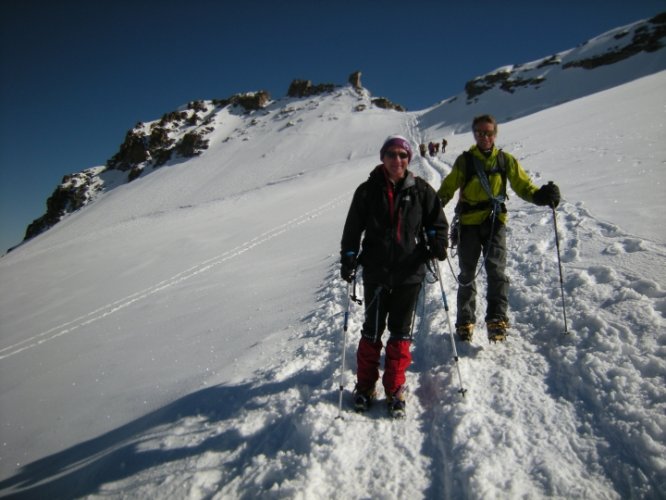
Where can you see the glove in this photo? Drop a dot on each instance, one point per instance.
(436, 247)
(348, 266)
(547, 196)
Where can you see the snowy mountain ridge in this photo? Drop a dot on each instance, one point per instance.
(605, 50)
(509, 92)
(182, 336)
(619, 55)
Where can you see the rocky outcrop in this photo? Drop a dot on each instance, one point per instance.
(132, 151)
(250, 101)
(177, 134)
(384, 103)
(305, 88)
(355, 81)
(643, 37)
(158, 145)
(192, 144)
(504, 80)
(74, 192)
(646, 38)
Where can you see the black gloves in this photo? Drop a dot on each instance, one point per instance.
(348, 266)
(436, 246)
(547, 196)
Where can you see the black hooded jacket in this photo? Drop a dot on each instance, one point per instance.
(393, 251)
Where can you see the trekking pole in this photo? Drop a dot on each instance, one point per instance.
(344, 345)
(559, 264)
(448, 318)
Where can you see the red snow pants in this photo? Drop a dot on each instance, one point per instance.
(396, 305)
(397, 360)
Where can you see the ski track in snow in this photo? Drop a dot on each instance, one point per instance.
(284, 438)
(109, 309)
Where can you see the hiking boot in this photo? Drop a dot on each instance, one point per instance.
(396, 403)
(497, 330)
(363, 398)
(465, 331)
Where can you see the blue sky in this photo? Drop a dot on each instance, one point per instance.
(76, 75)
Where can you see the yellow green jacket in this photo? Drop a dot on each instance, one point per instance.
(474, 193)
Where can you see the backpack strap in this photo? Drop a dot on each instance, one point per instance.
(500, 167)
(473, 167)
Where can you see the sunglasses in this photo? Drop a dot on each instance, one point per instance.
(394, 154)
(484, 133)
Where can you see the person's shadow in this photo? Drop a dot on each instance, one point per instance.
(120, 453)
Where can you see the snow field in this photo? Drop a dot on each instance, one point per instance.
(166, 345)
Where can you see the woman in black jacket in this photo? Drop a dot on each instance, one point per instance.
(394, 225)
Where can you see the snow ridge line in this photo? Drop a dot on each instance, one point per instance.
(207, 265)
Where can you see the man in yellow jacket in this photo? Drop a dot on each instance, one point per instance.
(481, 174)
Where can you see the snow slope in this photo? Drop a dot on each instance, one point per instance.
(182, 336)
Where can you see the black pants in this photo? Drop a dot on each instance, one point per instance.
(474, 240)
(393, 307)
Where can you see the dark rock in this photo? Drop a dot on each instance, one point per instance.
(305, 88)
(384, 103)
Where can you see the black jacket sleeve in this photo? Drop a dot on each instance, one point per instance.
(355, 223)
(435, 224)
